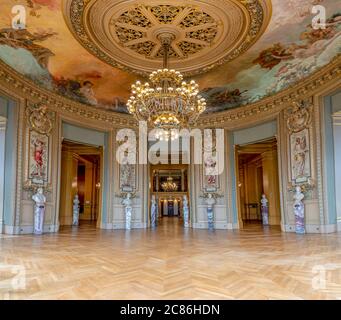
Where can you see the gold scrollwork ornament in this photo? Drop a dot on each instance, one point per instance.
(299, 116)
(40, 119)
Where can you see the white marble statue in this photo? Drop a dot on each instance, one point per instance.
(39, 211)
(127, 202)
(75, 221)
(265, 210)
(153, 212)
(210, 201)
(299, 210)
(186, 212)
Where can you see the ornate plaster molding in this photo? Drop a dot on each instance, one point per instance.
(39, 118)
(299, 116)
(267, 108)
(124, 34)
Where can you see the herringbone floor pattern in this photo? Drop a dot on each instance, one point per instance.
(172, 263)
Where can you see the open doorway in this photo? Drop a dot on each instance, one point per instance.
(257, 166)
(80, 175)
(169, 186)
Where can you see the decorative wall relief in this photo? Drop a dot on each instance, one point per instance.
(128, 173)
(298, 123)
(300, 156)
(210, 165)
(39, 127)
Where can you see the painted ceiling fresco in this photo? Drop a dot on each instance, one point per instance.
(288, 51)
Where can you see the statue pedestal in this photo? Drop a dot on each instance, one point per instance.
(153, 213)
(210, 218)
(185, 212)
(299, 211)
(39, 213)
(299, 218)
(128, 213)
(75, 220)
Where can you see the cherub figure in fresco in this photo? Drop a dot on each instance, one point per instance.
(22, 38)
(228, 96)
(272, 56)
(87, 91)
(36, 5)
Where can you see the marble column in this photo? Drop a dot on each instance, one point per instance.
(3, 122)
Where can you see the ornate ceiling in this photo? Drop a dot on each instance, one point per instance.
(239, 51)
(206, 33)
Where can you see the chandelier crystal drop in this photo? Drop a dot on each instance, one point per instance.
(167, 103)
(169, 185)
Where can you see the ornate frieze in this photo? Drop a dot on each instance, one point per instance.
(19, 86)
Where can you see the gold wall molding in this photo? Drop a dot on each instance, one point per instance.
(261, 111)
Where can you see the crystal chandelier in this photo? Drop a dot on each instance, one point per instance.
(169, 185)
(167, 103)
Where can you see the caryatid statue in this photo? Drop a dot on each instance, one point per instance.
(265, 210)
(39, 211)
(127, 202)
(299, 210)
(210, 201)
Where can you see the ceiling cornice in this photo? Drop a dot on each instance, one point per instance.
(329, 76)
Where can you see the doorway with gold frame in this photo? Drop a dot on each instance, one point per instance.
(81, 174)
(257, 174)
(169, 184)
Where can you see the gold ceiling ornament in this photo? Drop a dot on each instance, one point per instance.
(207, 33)
(168, 103)
(169, 185)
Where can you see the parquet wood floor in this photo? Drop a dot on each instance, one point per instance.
(172, 263)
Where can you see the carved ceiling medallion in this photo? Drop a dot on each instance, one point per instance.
(207, 34)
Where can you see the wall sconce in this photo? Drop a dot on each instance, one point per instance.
(98, 185)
